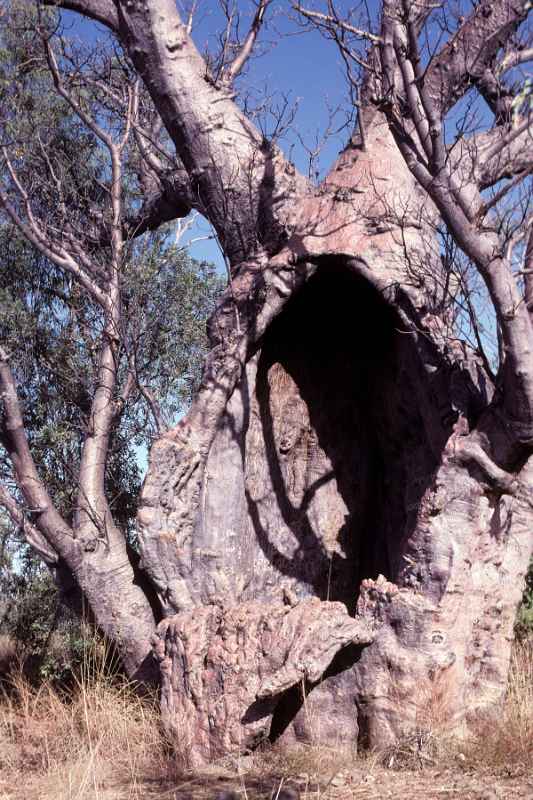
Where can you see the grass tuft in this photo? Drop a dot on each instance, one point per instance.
(507, 739)
(76, 744)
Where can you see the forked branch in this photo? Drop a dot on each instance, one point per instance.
(32, 535)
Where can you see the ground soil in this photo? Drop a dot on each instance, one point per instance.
(368, 781)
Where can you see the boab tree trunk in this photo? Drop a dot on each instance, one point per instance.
(341, 456)
(342, 449)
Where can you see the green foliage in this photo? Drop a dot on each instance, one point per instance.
(169, 297)
(48, 638)
(52, 333)
(52, 643)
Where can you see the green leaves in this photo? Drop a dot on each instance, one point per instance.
(53, 334)
(169, 298)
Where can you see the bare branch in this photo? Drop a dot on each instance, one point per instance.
(514, 59)
(32, 535)
(103, 11)
(167, 189)
(475, 323)
(173, 202)
(505, 482)
(501, 153)
(160, 423)
(93, 509)
(528, 273)
(327, 20)
(190, 17)
(246, 50)
(496, 198)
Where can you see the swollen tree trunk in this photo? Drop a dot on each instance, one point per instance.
(329, 455)
(339, 529)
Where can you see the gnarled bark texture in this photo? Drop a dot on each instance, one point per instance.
(339, 457)
(225, 669)
(342, 447)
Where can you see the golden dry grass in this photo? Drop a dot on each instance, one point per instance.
(503, 739)
(79, 745)
(507, 739)
(102, 742)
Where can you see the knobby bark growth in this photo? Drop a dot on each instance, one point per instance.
(344, 516)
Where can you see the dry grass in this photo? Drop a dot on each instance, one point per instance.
(102, 742)
(79, 745)
(504, 739)
(508, 738)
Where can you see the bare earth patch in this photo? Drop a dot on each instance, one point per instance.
(366, 779)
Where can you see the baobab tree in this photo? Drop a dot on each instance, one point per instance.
(344, 515)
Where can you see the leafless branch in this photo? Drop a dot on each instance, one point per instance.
(528, 272)
(190, 17)
(514, 59)
(32, 535)
(499, 195)
(104, 11)
(332, 20)
(246, 50)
